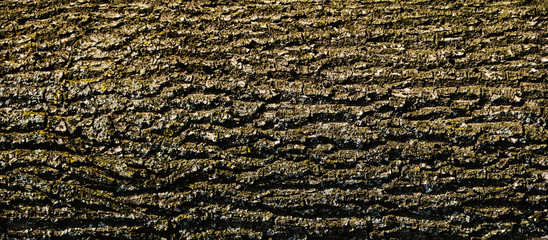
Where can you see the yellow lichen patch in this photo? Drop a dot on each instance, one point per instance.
(168, 132)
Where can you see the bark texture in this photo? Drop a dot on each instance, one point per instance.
(288, 119)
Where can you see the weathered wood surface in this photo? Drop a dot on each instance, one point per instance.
(273, 119)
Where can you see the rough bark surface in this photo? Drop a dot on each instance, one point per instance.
(281, 119)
